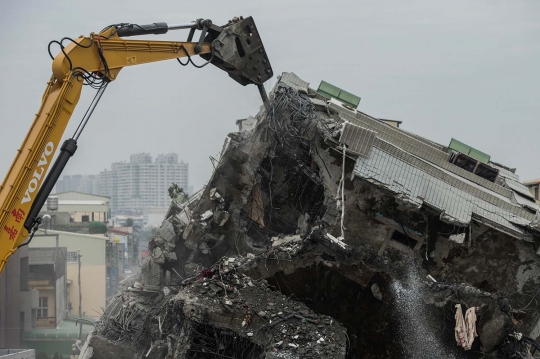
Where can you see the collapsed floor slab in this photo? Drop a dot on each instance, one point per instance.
(291, 210)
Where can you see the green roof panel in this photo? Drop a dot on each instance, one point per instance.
(479, 155)
(330, 91)
(459, 146)
(468, 150)
(349, 98)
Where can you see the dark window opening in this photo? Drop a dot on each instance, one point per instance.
(465, 162)
(470, 164)
(403, 239)
(85, 219)
(536, 193)
(486, 172)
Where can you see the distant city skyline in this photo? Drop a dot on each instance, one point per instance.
(84, 183)
(139, 184)
(142, 183)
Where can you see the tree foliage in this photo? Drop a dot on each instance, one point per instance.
(97, 228)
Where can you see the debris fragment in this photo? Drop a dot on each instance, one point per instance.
(338, 241)
(206, 215)
(376, 291)
(458, 238)
(465, 331)
(255, 208)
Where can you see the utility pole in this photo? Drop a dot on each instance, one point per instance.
(80, 295)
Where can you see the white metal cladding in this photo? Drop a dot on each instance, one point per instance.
(318, 102)
(518, 187)
(359, 140)
(417, 186)
(428, 153)
(295, 82)
(525, 202)
(503, 172)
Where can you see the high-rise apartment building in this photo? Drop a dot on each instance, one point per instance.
(142, 183)
(78, 183)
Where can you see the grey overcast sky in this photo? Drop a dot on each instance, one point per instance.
(463, 69)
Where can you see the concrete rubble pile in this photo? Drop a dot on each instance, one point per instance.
(293, 250)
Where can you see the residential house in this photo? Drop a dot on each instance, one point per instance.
(18, 303)
(123, 236)
(48, 269)
(76, 207)
(533, 186)
(119, 220)
(93, 269)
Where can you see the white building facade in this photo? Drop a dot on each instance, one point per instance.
(142, 183)
(78, 183)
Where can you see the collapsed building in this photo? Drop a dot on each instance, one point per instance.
(327, 233)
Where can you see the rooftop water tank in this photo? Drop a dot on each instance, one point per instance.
(52, 203)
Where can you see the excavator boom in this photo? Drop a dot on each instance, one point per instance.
(96, 60)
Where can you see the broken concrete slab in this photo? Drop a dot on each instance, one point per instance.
(284, 240)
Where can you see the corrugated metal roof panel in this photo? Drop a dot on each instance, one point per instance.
(398, 138)
(418, 186)
(359, 140)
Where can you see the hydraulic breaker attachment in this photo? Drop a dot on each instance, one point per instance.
(238, 50)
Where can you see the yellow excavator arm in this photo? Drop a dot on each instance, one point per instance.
(96, 60)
